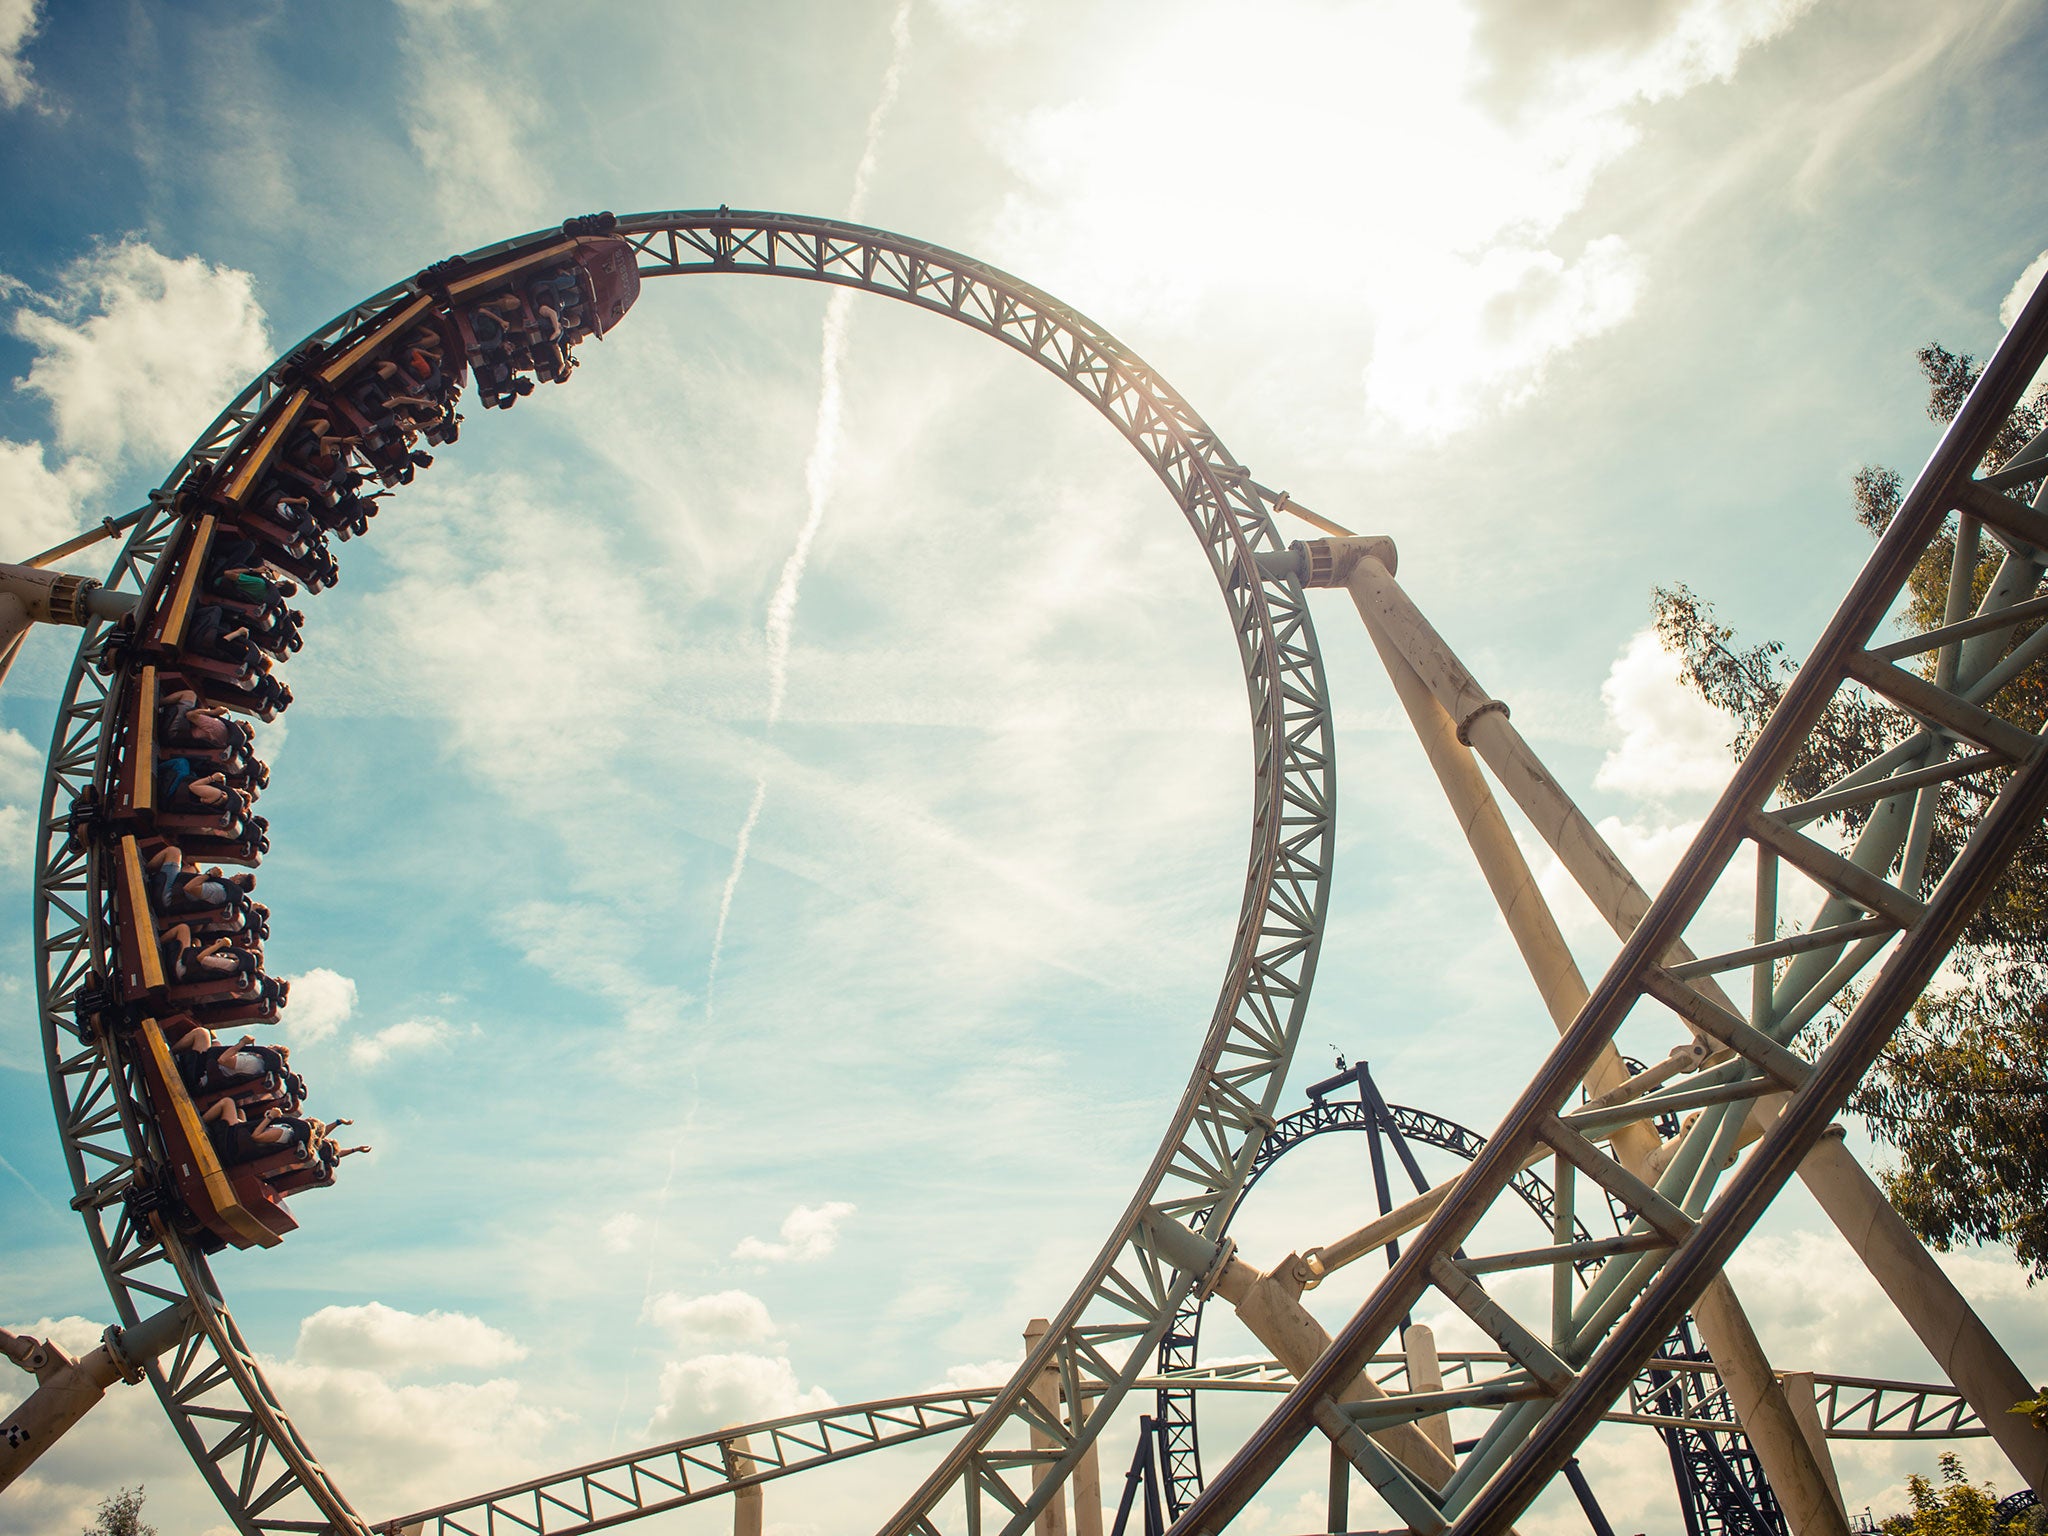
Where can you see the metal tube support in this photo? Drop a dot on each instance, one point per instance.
(1087, 1488)
(1340, 1491)
(747, 1503)
(1426, 1374)
(1923, 1294)
(1928, 1300)
(1052, 1520)
(29, 596)
(1595, 1516)
(67, 1389)
(1798, 1387)
(1753, 1389)
(1270, 1306)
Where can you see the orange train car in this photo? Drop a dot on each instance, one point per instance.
(232, 1202)
(347, 412)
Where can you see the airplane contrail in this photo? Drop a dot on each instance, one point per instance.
(820, 471)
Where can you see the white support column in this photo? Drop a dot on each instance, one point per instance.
(1931, 1305)
(1426, 1374)
(1052, 1520)
(67, 1389)
(1798, 1387)
(1928, 1300)
(1087, 1487)
(1753, 1389)
(747, 1503)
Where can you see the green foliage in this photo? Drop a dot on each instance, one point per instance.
(1958, 1508)
(120, 1515)
(1961, 1092)
(2035, 1408)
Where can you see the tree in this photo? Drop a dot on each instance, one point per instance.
(1961, 1092)
(120, 1515)
(2035, 1408)
(1959, 1509)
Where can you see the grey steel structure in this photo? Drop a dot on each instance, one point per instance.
(695, 1470)
(1721, 1486)
(1890, 910)
(1899, 898)
(266, 1478)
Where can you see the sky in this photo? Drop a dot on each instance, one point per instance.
(760, 827)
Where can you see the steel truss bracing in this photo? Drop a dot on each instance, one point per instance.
(1892, 903)
(1100, 1340)
(1720, 1484)
(685, 1472)
(703, 1467)
(1851, 1407)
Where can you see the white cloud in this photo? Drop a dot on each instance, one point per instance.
(1596, 59)
(18, 22)
(137, 351)
(405, 1444)
(380, 1338)
(470, 123)
(725, 1317)
(21, 781)
(588, 946)
(985, 22)
(1673, 743)
(986, 1373)
(17, 837)
(808, 1232)
(622, 1232)
(421, 1442)
(711, 1391)
(2010, 306)
(1398, 158)
(321, 1002)
(406, 1035)
(21, 767)
(40, 505)
(1501, 317)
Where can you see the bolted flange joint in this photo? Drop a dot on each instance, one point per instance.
(1490, 707)
(1328, 562)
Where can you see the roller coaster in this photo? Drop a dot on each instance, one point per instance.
(179, 1145)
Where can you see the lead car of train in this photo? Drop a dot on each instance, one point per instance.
(172, 812)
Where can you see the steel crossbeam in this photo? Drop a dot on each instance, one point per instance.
(1175, 1411)
(1888, 876)
(1851, 1407)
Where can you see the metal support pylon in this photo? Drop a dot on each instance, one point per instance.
(1141, 1485)
(1894, 894)
(1365, 566)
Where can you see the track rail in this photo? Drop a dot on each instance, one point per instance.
(679, 1473)
(214, 1391)
(1175, 1413)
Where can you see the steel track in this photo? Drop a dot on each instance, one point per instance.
(214, 1389)
(680, 1473)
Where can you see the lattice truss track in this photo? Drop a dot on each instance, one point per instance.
(1100, 1340)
